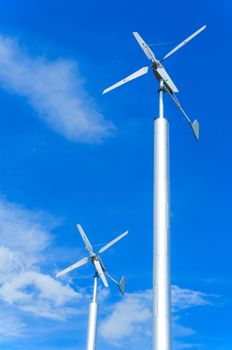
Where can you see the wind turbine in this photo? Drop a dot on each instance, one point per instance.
(100, 271)
(161, 213)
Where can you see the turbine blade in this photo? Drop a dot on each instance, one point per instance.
(183, 43)
(88, 246)
(146, 49)
(195, 125)
(135, 75)
(100, 272)
(161, 73)
(72, 267)
(108, 245)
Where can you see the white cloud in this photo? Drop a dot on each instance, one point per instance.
(131, 317)
(181, 346)
(10, 326)
(186, 298)
(25, 236)
(55, 90)
(10, 263)
(179, 330)
(24, 231)
(39, 294)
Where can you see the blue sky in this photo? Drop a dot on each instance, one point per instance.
(72, 155)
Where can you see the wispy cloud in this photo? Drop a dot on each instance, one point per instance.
(129, 320)
(183, 298)
(39, 294)
(10, 325)
(129, 316)
(182, 346)
(25, 236)
(55, 90)
(181, 331)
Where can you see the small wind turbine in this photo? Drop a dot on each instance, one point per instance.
(161, 202)
(100, 271)
(166, 83)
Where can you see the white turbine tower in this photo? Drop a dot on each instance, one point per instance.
(101, 272)
(161, 212)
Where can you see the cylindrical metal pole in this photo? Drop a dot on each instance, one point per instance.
(92, 325)
(161, 100)
(161, 253)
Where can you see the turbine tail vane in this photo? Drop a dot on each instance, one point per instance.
(196, 129)
(121, 285)
(194, 125)
(135, 75)
(183, 43)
